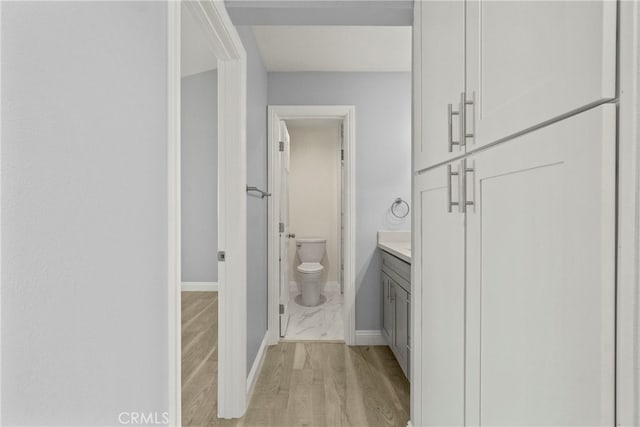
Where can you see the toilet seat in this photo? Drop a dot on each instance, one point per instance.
(310, 267)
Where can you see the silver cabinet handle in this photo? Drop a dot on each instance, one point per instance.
(292, 235)
(463, 115)
(450, 114)
(463, 187)
(450, 175)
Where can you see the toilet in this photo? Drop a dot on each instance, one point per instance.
(310, 282)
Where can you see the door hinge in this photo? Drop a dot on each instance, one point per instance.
(281, 308)
(221, 256)
(281, 227)
(341, 130)
(342, 155)
(281, 146)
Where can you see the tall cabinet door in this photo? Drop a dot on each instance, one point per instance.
(437, 301)
(529, 62)
(439, 30)
(540, 276)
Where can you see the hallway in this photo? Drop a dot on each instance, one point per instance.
(318, 384)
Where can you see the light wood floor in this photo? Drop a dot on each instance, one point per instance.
(301, 384)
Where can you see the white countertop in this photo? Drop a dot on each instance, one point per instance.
(397, 243)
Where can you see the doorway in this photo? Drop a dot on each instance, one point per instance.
(288, 273)
(223, 42)
(310, 217)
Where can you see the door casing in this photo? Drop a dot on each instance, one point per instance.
(224, 42)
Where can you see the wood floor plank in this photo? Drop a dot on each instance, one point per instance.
(301, 383)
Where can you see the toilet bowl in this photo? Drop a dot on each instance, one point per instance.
(310, 271)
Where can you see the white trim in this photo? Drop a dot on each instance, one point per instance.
(628, 269)
(199, 287)
(174, 264)
(415, 356)
(254, 373)
(232, 214)
(370, 337)
(0, 216)
(347, 114)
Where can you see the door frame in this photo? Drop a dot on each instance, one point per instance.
(346, 113)
(225, 44)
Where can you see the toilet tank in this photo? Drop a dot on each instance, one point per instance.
(310, 249)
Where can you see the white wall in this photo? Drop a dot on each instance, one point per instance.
(84, 211)
(314, 190)
(199, 170)
(383, 159)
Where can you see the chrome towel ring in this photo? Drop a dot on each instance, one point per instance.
(400, 208)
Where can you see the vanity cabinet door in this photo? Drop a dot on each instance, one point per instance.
(401, 299)
(531, 62)
(388, 309)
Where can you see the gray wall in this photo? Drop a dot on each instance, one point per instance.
(383, 159)
(84, 211)
(256, 207)
(199, 169)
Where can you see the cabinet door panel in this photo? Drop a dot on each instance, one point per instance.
(529, 62)
(402, 326)
(439, 67)
(540, 277)
(438, 304)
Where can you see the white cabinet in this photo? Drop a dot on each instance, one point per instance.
(439, 68)
(517, 294)
(529, 62)
(490, 70)
(438, 298)
(541, 278)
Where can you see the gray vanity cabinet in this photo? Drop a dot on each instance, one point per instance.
(388, 308)
(396, 297)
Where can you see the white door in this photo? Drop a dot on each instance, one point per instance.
(284, 228)
(439, 62)
(529, 62)
(438, 300)
(540, 277)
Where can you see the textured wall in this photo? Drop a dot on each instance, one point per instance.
(383, 159)
(84, 211)
(199, 169)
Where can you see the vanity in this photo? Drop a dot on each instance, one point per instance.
(395, 248)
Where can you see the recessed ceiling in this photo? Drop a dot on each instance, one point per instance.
(334, 48)
(196, 56)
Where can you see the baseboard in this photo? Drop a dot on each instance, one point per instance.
(199, 286)
(370, 337)
(254, 373)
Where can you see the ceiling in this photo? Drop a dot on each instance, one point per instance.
(334, 48)
(320, 12)
(196, 56)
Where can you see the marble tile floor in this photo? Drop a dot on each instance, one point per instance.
(322, 323)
